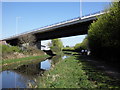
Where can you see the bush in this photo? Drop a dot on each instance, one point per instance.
(33, 51)
(68, 49)
(77, 47)
(57, 46)
(83, 45)
(27, 40)
(10, 49)
(103, 35)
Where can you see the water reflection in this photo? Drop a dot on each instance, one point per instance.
(20, 77)
(11, 79)
(65, 57)
(45, 64)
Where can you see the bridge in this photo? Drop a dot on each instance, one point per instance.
(76, 26)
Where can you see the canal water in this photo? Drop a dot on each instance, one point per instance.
(25, 75)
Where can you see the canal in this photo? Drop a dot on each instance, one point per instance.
(25, 75)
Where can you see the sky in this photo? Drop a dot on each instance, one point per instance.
(19, 17)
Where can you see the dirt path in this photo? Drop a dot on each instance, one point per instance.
(111, 71)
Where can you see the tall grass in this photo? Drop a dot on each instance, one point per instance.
(66, 74)
(9, 49)
(74, 72)
(9, 61)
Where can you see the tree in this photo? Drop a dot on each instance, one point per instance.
(103, 35)
(82, 45)
(77, 47)
(57, 45)
(27, 40)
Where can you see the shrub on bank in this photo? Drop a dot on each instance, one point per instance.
(33, 51)
(10, 49)
(13, 52)
(83, 45)
(57, 46)
(77, 47)
(68, 49)
(103, 35)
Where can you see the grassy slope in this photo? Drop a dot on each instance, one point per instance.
(66, 74)
(14, 65)
(9, 61)
(72, 73)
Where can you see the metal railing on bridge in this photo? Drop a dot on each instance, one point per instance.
(56, 24)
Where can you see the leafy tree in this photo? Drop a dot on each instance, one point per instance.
(57, 45)
(83, 45)
(103, 35)
(77, 47)
(68, 48)
(27, 40)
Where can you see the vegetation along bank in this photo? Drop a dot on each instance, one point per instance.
(74, 72)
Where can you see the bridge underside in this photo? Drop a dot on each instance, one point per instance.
(66, 31)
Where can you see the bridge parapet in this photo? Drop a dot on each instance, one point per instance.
(58, 24)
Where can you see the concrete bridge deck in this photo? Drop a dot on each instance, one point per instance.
(76, 26)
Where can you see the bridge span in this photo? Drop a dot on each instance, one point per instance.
(76, 26)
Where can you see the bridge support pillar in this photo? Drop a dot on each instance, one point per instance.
(38, 45)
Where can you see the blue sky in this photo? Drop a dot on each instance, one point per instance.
(25, 16)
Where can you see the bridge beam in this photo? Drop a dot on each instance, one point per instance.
(73, 28)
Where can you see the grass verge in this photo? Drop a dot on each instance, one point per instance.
(76, 73)
(66, 74)
(10, 61)
(17, 64)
